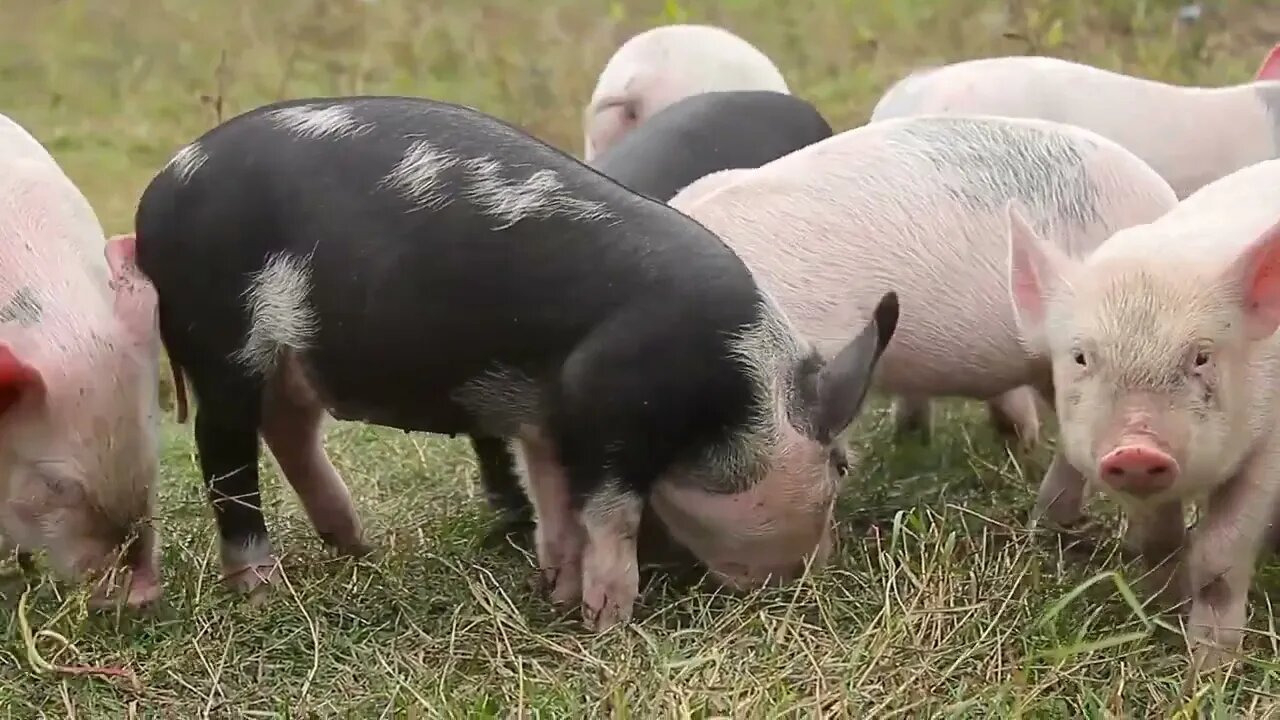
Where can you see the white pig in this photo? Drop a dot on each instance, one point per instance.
(918, 205)
(78, 407)
(1190, 135)
(664, 64)
(1166, 367)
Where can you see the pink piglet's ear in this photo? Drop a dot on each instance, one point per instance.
(135, 296)
(17, 378)
(1270, 67)
(1258, 272)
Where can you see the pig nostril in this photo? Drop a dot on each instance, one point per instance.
(1158, 469)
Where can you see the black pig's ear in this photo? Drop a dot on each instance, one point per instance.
(843, 382)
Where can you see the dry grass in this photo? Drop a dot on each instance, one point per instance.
(939, 604)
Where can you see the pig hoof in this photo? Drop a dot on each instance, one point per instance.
(564, 584)
(252, 578)
(346, 546)
(26, 563)
(1204, 659)
(603, 608)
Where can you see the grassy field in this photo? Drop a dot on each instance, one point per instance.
(939, 604)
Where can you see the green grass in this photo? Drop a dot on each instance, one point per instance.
(939, 603)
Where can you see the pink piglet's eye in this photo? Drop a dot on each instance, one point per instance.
(1202, 358)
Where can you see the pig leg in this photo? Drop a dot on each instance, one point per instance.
(1224, 551)
(1157, 534)
(227, 419)
(291, 427)
(501, 484)
(1015, 418)
(610, 570)
(1061, 496)
(558, 535)
(912, 414)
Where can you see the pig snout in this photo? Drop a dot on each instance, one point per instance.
(135, 583)
(1139, 468)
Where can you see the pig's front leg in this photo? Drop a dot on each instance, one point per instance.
(1061, 496)
(1156, 533)
(558, 535)
(227, 422)
(1224, 551)
(610, 570)
(913, 415)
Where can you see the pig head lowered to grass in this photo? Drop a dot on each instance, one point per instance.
(698, 135)
(918, 205)
(1165, 365)
(78, 382)
(1190, 135)
(420, 265)
(662, 65)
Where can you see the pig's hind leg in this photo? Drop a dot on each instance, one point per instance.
(228, 416)
(292, 419)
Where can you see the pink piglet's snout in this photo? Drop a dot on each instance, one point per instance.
(1138, 468)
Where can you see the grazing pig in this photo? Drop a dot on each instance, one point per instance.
(1166, 368)
(664, 64)
(1190, 135)
(78, 382)
(698, 135)
(708, 133)
(420, 265)
(918, 205)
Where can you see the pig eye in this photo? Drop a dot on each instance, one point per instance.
(1202, 358)
(1078, 356)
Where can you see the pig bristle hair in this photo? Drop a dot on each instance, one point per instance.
(186, 162)
(542, 194)
(279, 313)
(313, 123)
(768, 350)
(417, 175)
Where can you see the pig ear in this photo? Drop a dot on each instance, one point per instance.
(845, 379)
(1257, 274)
(1270, 68)
(135, 296)
(1034, 267)
(18, 378)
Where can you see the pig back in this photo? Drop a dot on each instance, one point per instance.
(52, 249)
(32, 175)
(918, 206)
(708, 133)
(437, 240)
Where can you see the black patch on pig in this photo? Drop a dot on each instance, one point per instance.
(23, 308)
(983, 165)
(709, 132)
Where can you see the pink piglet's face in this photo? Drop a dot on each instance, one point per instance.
(78, 446)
